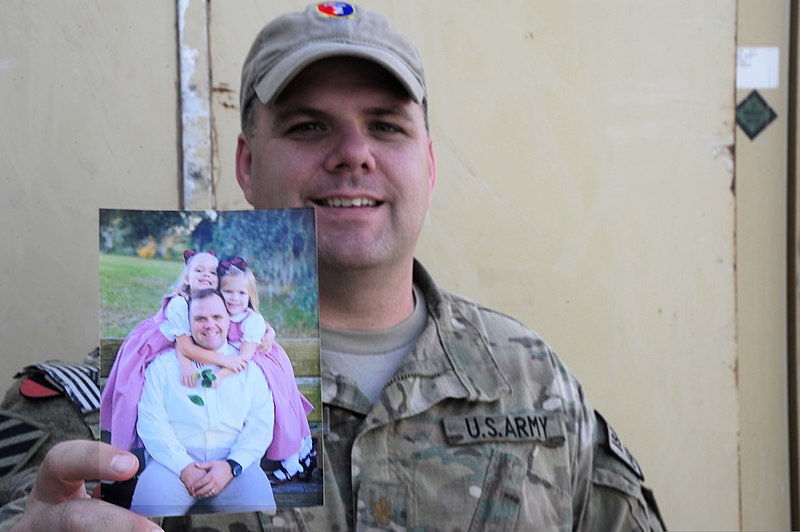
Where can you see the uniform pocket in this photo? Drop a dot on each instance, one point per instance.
(382, 506)
(498, 506)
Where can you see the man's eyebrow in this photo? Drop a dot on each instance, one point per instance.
(290, 112)
(287, 113)
(400, 112)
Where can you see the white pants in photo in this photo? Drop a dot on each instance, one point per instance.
(159, 492)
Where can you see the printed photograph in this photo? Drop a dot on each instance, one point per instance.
(210, 359)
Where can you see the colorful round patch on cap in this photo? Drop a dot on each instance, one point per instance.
(336, 9)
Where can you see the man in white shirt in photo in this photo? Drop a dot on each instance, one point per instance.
(204, 444)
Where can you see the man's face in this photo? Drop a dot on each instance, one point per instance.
(209, 322)
(345, 138)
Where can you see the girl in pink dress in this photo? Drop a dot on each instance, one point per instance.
(291, 441)
(168, 328)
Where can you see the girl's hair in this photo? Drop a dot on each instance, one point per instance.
(250, 282)
(181, 288)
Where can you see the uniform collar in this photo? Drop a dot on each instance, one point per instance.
(459, 330)
(451, 360)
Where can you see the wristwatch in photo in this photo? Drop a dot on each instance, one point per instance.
(236, 469)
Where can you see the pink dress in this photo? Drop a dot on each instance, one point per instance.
(291, 408)
(120, 399)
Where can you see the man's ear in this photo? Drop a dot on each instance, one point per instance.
(432, 163)
(244, 160)
(432, 170)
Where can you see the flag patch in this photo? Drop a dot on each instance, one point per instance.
(77, 381)
(19, 440)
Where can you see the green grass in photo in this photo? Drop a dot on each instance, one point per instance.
(131, 289)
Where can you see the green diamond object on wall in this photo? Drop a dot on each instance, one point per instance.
(753, 114)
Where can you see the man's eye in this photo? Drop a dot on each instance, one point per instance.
(306, 127)
(385, 127)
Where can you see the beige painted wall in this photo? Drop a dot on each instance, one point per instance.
(585, 173)
(761, 174)
(88, 107)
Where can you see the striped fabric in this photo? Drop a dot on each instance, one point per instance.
(78, 381)
(19, 440)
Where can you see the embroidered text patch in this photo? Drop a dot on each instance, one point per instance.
(544, 428)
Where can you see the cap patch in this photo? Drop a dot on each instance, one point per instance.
(336, 9)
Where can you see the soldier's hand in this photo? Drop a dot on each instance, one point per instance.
(59, 500)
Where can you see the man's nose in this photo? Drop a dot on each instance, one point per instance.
(351, 153)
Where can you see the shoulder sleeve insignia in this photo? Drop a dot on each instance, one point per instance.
(614, 444)
(467, 429)
(77, 381)
(20, 438)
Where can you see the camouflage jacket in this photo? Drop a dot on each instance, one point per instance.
(481, 428)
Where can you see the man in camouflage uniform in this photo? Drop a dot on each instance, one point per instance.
(477, 425)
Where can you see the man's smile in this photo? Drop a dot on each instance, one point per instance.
(347, 202)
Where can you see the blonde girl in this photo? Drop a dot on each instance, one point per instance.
(248, 330)
(291, 441)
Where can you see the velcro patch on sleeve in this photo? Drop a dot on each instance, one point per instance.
(546, 429)
(20, 438)
(622, 452)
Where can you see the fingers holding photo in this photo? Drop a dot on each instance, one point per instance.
(59, 500)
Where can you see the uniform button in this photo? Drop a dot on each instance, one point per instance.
(382, 511)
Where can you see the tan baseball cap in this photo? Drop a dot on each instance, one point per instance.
(291, 42)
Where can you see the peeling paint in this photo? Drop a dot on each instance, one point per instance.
(724, 149)
(195, 119)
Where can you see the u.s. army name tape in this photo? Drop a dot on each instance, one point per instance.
(545, 428)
